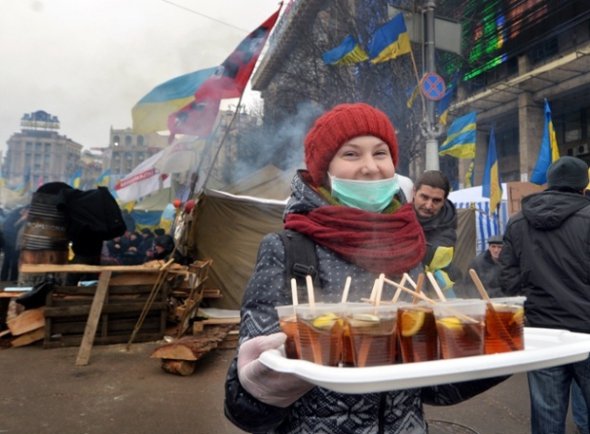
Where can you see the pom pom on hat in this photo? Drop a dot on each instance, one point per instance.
(568, 172)
(335, 127)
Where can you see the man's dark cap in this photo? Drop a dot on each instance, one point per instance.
(496, 239)
(568, 172)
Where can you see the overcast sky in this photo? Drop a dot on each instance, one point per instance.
(89, 61)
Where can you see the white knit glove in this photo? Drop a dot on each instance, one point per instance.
(264, 384)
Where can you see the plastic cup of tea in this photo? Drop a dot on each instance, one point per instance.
(320, 330)
(416, 329)
(288, 323)
(372, 331)
(460, 326)
(504, 325)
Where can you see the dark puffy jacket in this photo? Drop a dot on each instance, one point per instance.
(488, 271)
(546, 257)
(322, 410)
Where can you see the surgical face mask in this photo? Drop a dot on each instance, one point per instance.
(368, 195)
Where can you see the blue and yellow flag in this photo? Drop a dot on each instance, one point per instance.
(549, 151)
(348, 52)
(151, 113)
(76, 178)
(461, 136)
(390, 40)
(491, 184)
(442, 106)
(104, 180)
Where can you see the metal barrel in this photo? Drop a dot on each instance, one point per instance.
(45, 228)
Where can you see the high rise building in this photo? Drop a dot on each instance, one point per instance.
(38, 153)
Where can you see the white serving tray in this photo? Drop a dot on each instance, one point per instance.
(543, 348)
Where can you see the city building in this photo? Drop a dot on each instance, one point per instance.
(513, 56)
(38, 153)
(127, 150)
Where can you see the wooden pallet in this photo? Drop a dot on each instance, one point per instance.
(68, 307)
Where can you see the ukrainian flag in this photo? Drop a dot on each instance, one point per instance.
(348, 52)
(460, 142)
(76, 178)
(549, 151)
(390, 40)
(491, 184)
(151, 113)
(104, 180)
(442, 107)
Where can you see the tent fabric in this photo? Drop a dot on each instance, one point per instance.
(466, 238)
(269, 182)
(228, 229)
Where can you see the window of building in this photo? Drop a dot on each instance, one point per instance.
(116, 140)
(128, 140)
(572, 127)
(140, 141)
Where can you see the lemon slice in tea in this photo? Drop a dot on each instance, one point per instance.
(325, 321)
(412, 322)
(518, 316)
(363, 320)
(450, 322)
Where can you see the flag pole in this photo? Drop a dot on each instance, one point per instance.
(222, 141)
(418, 80)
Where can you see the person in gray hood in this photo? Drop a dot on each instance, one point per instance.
(348, 204)
(546, 257)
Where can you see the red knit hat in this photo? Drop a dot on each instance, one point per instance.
(344, 122)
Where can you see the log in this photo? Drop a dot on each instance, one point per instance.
(192, 348)
(178, 367)
(27, 321)
(28, 338)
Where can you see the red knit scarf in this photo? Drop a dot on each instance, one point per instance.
(381, 243)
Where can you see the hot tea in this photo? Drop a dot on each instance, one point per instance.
(460, 326)
(417, 333)
(320, 334)
(372, 333)
(504, 325)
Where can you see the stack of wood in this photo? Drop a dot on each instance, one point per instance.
(25, 328)
(180, 356)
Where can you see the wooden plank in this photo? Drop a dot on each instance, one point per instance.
(134, 279)
(10, 294)
(93, 318)
(27, 321)
(72, 341)
(80, 268)
(113, 326)
(4, 333)
(83, 309)
(221, 321)
(28, 338)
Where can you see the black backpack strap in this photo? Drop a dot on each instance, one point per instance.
(300, 257)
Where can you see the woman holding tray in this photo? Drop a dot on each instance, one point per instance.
(348, 203)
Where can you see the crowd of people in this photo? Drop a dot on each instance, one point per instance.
(134, 248)
(348, 202)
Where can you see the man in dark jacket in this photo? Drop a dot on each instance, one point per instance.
(487, 267)
(546, 257)
(438, 218)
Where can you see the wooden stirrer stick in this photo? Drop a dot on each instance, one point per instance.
(310, 292)
(294, 296)
(434, 284)
(346, 289)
